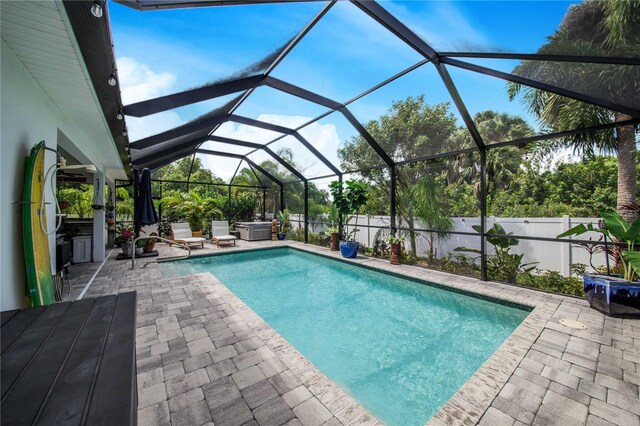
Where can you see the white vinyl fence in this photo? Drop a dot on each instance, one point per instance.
(554, 256)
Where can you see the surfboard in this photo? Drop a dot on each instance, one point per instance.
(36, 242)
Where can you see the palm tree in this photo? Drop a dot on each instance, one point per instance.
(193, 208)
(502, 163)
(598, 28)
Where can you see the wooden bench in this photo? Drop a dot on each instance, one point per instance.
(70, 363)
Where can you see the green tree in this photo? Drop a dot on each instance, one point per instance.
(409, 129)
(597, 28)
(76, 199)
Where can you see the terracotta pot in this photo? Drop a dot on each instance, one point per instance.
(396, 249)
(149, 247)
(334, 242)
(196, 234)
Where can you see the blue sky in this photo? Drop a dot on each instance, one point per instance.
(163, 52)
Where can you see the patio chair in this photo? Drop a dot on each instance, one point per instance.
(220, 233)
(182, 234)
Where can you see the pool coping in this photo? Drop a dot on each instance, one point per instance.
(474, 397)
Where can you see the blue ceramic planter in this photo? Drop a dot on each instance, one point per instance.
(281, 236)
(613, 296)
(349, 249)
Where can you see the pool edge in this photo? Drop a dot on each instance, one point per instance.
(469, 403)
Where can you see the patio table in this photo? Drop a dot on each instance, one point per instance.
(70, 363)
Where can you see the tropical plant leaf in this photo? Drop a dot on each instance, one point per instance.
(633, 257)
(616, 225)
(633, 233)
(576, 230)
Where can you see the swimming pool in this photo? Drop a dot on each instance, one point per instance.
(400, 347)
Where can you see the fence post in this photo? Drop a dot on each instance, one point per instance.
(566, 248)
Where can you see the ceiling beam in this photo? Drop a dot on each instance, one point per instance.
(286, 131)
(177, 4)
(613, 60)
(367, 137)
(188, 97)
(230, 155)
(268, 150)
(178, 132)
(460, 105)
(308, 95)
(543, 86)
(189, 146)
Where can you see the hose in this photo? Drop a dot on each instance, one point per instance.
(52, 170)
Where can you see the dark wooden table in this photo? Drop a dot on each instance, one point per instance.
(70, 363)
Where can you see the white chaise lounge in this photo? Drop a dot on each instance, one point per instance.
(182, 234)
(220, 233)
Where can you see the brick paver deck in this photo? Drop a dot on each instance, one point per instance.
(204, 357)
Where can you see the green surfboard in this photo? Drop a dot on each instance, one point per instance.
(36, 242)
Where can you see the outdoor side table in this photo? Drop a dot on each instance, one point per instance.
(70, 363)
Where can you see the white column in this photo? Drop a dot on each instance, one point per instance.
(566, 248)
(99, 228)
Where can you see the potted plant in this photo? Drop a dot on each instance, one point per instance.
(140, 245)
(125, 238)
(614, 294)
(396, 249)
(150, 243)
(333, 232)
(348, 198)
(283, 220)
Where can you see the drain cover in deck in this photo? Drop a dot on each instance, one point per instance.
(573, 324)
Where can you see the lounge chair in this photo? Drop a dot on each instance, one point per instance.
(182, 234)
(220, 233)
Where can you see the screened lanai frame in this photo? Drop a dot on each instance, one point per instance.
(187, 139)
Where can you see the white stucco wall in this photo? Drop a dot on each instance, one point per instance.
(28, 116)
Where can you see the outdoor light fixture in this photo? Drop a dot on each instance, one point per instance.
(124, 132)
(96, 9)
(119, 116)
(112, 79)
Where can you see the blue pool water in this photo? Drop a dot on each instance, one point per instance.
(401, 348)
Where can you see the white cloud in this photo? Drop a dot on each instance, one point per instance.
(138, 82)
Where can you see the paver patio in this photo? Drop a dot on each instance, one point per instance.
(204, 357)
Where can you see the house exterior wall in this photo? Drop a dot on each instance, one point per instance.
(28, 116)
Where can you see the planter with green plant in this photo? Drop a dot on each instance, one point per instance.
(283, 223)
(140, 245)
(124, 238)
(335, 239)
(150, 243)
(614, 294)
(332, 230)
(348, 198)
(396, 249)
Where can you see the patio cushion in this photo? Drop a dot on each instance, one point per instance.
(190, 240)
